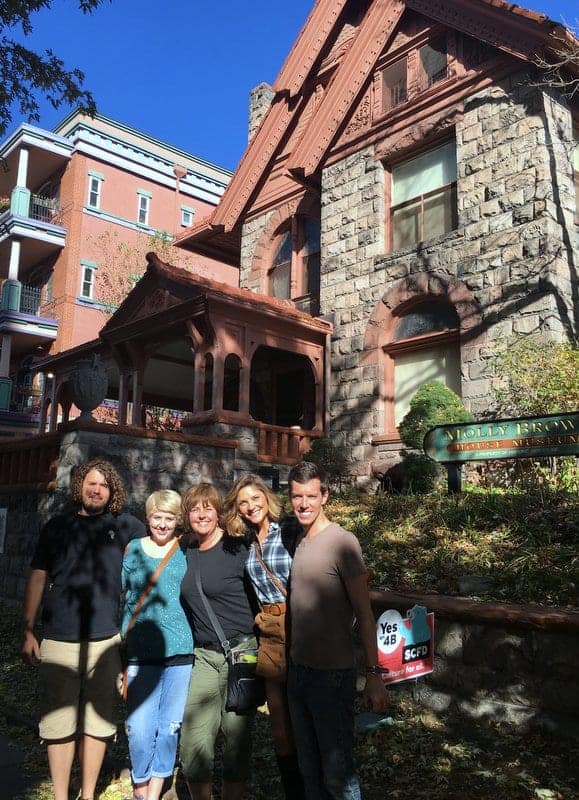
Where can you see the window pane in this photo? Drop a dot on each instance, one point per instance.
(280, 281)
(87, 278)
(406, 226)
(283, 253)
(143, 209)
(94, 193)
(427, 318)
(411, 370)
(311, 236)
(395, 85)
(433, 60)
(424, 173)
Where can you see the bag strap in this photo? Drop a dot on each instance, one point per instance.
(152, 582)
(276, 582)
(222, 638)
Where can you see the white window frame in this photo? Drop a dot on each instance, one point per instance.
(143, 207)
(187, 215)
(95, 183)
(87, 278)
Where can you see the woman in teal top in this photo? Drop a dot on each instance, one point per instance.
(159, 646)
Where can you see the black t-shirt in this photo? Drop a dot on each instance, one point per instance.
(225, 585)
(83, 557)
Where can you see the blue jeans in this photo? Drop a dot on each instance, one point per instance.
(156, 697)
(321, 704)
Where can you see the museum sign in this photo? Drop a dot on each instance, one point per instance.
(526, 437)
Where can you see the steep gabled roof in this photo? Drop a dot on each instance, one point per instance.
(506, 26)
(187, 288)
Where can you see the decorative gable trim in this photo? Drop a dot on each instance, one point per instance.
(373, 36)
(520, 35)
(306, 49)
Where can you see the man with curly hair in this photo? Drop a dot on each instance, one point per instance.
(76, 575)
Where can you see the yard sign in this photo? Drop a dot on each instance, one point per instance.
(405, 644)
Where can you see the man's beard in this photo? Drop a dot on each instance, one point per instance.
(94, 506)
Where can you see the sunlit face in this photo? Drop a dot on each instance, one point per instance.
(203, 519)
(94, 494)
(252, 505)
(162, 526)
(307, 501)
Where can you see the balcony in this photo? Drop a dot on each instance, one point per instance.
(44, 209)
(35, 221)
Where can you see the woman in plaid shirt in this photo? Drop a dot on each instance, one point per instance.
(254, 511)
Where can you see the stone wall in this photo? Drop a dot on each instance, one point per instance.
(512, 255)
(146, 463)
(499, 661)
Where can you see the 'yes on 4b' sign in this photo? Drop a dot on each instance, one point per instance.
(405, 644)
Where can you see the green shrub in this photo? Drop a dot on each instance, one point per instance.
(433, 404)
(332, 457)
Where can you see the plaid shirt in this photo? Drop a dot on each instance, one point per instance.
(279, 561)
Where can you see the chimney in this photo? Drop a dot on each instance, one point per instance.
(259, 102)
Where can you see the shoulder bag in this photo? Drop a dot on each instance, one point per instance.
(245, 689)
(272, 624)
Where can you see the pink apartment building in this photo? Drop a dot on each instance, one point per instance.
(79, 208)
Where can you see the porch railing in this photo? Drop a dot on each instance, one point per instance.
(278, 445)
(29, 464)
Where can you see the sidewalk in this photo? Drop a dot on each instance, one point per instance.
(13, 783)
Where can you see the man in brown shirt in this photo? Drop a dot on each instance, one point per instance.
(329, 589)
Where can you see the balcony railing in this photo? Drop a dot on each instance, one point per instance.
(43, 209)
(30, 297)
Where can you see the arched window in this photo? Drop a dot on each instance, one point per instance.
(294, 273)
(425, 346)
(280, 272)
(231, 382)
(208, 385)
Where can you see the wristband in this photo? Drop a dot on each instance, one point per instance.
(376, 670)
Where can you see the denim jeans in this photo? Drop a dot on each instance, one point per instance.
(321, 706)
(155, 702)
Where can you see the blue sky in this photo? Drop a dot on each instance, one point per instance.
(180, 70)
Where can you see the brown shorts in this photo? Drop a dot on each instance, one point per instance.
(78, 685)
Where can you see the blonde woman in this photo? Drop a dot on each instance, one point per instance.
(253, 511)
(159, 645)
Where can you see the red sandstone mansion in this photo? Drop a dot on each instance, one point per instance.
(406, 206)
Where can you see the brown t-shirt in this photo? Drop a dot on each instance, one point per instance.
(321, 612)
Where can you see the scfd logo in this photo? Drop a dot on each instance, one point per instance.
(415, 652)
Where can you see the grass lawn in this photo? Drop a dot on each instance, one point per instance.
(527, 547)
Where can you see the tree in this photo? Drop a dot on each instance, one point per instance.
(124, 262)
(25, 74)
(537, 377)
(561, 65)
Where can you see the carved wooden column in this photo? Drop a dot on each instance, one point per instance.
(244, 386)
(123, 398)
